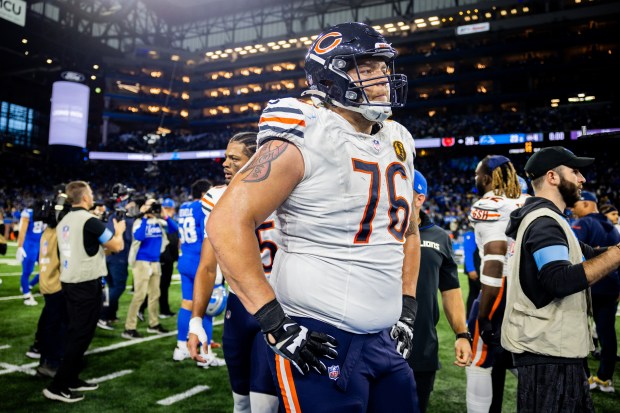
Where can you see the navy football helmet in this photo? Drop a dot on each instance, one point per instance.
(338, 50)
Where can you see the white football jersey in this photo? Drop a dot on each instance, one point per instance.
(343, 226)
(266, 233)
(490, 216)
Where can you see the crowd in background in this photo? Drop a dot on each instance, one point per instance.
(451, 188)
(421, 126)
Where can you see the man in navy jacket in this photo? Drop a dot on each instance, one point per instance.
(594, 229)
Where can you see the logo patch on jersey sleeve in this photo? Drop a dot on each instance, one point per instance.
(399, 150)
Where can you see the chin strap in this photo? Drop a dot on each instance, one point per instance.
(372, 113)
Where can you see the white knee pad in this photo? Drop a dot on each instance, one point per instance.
(241, 403)
(479, 389)
(263, 403)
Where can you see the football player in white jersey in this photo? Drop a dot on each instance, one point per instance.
(498, 184)
(244, 348)
(338, 310)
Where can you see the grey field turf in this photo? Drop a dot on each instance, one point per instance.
(147, 373)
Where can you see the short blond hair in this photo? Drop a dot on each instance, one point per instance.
(75, 190)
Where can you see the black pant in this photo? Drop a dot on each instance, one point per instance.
(553, 388)
(604, 309)
(502, 362)
(54, 329)
(164, 285)
(83, 308)
(425, 382)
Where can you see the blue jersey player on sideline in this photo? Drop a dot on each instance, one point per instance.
(28, 244)
(339, 307)
(191, 233)
(244, 348)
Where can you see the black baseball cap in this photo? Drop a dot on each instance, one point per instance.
(552, 157)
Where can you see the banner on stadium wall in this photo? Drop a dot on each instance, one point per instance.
(576, 134)
(69, 114)
(165, 156)
(14, 11)
(473, 28)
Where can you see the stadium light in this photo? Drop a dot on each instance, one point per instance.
(49, 61)
(25, 41)
(93, 77)
(95, 67)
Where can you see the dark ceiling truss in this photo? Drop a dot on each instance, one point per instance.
(129, 25)
(287, 13)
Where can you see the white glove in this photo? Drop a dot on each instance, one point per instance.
(196, 328)
(20, 255)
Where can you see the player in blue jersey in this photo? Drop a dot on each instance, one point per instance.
(191, 232)
(28, 242)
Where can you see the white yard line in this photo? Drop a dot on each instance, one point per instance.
(181, 396)
(5, 346)
(139, 340)
(17, 297)
(131, 342)
(111, 376)
(26, 368)
(10, 274)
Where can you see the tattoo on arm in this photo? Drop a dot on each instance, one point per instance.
(412, 229)
(260, 166)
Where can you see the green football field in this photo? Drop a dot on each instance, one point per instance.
(140, 376)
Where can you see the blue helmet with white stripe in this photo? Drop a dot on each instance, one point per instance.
(338, 50)
(218, 300)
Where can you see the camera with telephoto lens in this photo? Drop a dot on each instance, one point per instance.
(154, 209)
(121, 196)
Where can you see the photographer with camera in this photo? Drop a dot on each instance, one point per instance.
(123, 208)
(150, 241)
(81, 239)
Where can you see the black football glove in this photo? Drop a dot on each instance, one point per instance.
(402, 331)
(294, 342)
(487, 333)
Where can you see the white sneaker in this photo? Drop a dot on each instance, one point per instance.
(180, 354)
(212, 360)
(29, 300)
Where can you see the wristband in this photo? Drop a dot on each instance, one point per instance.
(270, 316)
(196, 328)
(466, 335)
(491, 281)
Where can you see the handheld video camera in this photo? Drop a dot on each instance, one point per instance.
(120, 197)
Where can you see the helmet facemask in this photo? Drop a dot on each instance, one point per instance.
(356, 98)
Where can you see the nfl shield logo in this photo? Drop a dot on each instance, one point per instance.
(376, 144)
(65, 233)
(333, 372)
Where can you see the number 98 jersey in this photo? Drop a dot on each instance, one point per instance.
(343, 226)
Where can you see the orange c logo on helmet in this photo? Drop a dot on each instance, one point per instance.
(321, 50)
